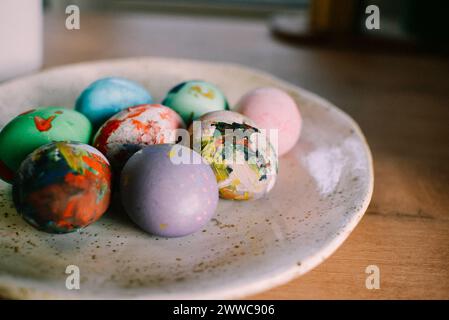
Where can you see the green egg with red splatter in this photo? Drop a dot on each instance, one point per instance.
(62, 187)
(34, 128)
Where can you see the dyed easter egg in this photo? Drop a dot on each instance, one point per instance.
(62, 187)
(243, 160)
(229, 117)
(37, 127)
(272, 108)
(165, 195)
(192, 99)
(105, 97)
(134, 128)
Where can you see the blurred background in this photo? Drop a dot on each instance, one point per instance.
(391, 80)
(230, 30)
(412, 20)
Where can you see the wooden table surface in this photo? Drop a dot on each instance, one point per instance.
(399, 100)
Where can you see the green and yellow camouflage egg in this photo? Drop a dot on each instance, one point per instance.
(243, 160)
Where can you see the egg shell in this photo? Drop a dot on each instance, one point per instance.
(62, 187)
(243, 168)
(272, 108)
(34, 128)
(228, 117)
(134, 128)
(167, 198)
(105, 97)
(192, 99)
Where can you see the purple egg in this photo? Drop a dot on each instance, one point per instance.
(168, 190)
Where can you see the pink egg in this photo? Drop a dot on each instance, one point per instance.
(272, 108)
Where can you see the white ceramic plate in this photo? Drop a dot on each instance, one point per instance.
(323, 189)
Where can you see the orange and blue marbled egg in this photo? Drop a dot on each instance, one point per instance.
(62, 187)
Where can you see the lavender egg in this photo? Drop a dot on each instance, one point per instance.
(168, 190)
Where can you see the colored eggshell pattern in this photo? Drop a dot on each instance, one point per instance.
(166, 197)
(105, 97)
(229, 117)
(134, 128)
(62, 187)
(272, 108)
(35, 128)
(243, 160)
(192, 99)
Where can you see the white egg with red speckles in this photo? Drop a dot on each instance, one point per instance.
(134, 128)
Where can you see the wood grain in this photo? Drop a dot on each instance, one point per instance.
(399, 100)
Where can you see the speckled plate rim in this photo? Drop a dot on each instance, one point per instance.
(14, 286)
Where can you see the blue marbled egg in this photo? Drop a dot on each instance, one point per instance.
(105, 97)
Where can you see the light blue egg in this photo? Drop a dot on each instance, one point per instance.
(105, 97)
